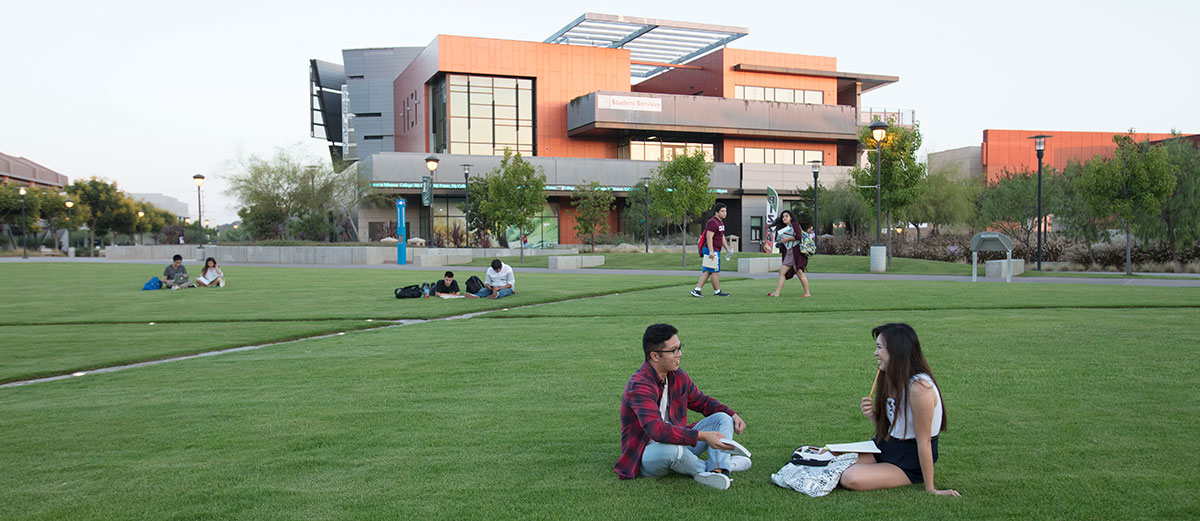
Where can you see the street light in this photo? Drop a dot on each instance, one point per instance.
(70, 204)
(24, 240)
(187, 221)
(1039, 143)
(143, 236)
(816, 165)
(467, 200)
(878, 132)
(199, 180)
(646, 222)
(431, 163)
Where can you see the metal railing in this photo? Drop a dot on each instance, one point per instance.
(902, 117)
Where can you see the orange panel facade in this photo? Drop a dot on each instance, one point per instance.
(560, 73)
(1013, 151)
(566, 223)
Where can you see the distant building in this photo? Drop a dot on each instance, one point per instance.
(965, 161)
(1013, 151)
(165, 202)
(24, 171)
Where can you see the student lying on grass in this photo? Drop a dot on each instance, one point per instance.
(905, 428)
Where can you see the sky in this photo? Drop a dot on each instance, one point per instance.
(148, 94)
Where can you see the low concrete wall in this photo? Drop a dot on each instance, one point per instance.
(998, 269)
(759, 264)
(557, 262)
(313, 254)
(591, 261)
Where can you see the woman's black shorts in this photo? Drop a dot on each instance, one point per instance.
(903, 454)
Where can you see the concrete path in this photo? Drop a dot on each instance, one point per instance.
(1192, 280)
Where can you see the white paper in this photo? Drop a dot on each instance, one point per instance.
(861, 446)
(711, 263)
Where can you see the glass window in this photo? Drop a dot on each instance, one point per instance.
(458, 104)
(739, 92)
(458, 129)
(785, 95)
(769, 156)
(524, 83)
(481, 131)
(525, 104)
(458, 79)
(506, 134)
(506, 113)
(754, 155)
(460, 148)
(509, 83)
(814, 96)
(653, 151)
(739, 155)
(506, 96)
(483, 149)
(525, 135)
(754, 93)
(769, 94)
(756, 228)
(785, 157)
(812, 155)
(637, 150)
(481, 81)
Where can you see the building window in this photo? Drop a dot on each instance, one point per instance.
(756, 229)
(482, 115)
(449, 223)
(781, 95)
(654, 150)
(776, 156)
(543, 230)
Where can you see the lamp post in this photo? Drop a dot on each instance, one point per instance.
(143, 236)
(878, 132)
(199, 180)
(24, 240)
(646, 222)
(467, 201)
(70, 203)
(431, 164)
(1040, 144)
(816, 166)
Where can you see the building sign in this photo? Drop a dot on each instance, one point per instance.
(606, 101)
(426, 190)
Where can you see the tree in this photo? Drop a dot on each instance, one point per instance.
(900, 172)
(679, 190)
(945, 198)
(10, 210)
(1010, 206)
(1069, 209)
(291, 194)
(633, 216)
(842, 203)
(593, 205)
(1130, 187)
(510, 195)
(108, 207)
(1177, 222)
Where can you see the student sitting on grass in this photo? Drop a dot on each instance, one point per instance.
(211, 276)
(447, 287)
(175, 275)
(498, 281)
(906, 429)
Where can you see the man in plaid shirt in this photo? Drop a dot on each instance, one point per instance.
(655, 436)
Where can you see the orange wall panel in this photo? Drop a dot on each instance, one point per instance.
(566, 223)
(1013, 151)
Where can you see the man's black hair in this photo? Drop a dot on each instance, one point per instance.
(718, 207)
(177, 257)
(449, 274)
(496, 265)
(655, 336)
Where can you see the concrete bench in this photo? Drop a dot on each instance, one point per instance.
(997, 269)
(429, 260)
(563, 262)
(759, 264)
(591, 261)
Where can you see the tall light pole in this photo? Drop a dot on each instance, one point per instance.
(199, 180)
(467, 201)
(70, 203)
(431, 164)
(1039, 143)
(646, 222)
(878, 132)
(24, 239)
(816, 165)
(143, 236)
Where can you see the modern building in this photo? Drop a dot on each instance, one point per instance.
(1013, 151)
(964, 162)
(26, 172)
(164, 202)
(603, 99)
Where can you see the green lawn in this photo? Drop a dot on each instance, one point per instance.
(1069, 402)
(818, 264)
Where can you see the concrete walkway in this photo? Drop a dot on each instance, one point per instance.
(1192, 280)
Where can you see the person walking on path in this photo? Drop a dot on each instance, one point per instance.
(712, 241)
(790, 236)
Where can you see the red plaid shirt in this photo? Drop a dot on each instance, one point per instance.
(642, 423)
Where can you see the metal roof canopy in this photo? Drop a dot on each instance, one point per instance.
(647, 39)
(991, 241)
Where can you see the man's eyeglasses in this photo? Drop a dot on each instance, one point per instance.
(671, 351)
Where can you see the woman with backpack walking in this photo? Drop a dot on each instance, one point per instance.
(797, 245)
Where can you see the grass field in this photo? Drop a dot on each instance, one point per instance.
(819, 264)
(1063, 401)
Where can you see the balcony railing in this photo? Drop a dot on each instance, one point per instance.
(902, 117)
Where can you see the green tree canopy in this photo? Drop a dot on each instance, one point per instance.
(108, 207)
(508, 197)
(945, 198)
(679, 190)
(900, 172)
(291, 195)
(843, 204)
(1177, 222)
(1130, 187)
(1010, 206)
(593, 205)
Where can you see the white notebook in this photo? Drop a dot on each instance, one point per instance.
(712, 263)
(861, 446)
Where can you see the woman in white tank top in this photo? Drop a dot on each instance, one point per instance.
(906, 428)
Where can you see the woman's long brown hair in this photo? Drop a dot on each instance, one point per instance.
(905, 360)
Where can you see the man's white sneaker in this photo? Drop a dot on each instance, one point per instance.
(713, 479)
(739, 463)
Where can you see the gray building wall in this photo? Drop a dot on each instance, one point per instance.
(165, 202)
(968, 162)
(369, 77)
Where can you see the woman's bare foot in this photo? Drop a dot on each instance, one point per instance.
(806, 295)
(772, 294)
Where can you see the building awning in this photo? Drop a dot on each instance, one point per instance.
(656, 44)
(868, 81)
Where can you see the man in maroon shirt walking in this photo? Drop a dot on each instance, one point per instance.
(712, 241)
(655, 436)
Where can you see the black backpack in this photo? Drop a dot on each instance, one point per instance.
(474, 285)
(413, 291)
